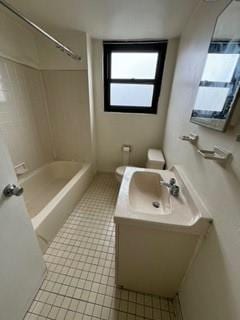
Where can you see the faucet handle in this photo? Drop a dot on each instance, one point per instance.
(175, 190)
(172, 181)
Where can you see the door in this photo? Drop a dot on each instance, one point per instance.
(21, 264)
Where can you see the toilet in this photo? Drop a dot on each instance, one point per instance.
(120, 172)
(155, 160)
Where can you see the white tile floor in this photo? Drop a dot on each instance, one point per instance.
(81, 268)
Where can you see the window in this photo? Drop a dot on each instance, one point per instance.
(133, 75)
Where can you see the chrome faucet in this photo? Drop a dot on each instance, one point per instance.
(171, 185)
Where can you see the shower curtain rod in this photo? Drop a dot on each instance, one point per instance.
(57, 43)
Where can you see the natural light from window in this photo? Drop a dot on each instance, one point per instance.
(211, 98)
(132, 75)
(216, 81)
(134, 65)
(220, 67)
(131, 94)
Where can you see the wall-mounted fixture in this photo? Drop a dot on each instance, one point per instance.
(217, 154)
(21, 169)
(218, 95)
(191, 137)
(126, 148)
(57, 43)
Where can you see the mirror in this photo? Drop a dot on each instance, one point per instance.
(218, 91)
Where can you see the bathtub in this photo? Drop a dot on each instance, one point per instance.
(51, 193)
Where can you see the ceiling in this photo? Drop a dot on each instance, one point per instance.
(111, 19)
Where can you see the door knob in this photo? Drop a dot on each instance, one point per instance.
(12, 190)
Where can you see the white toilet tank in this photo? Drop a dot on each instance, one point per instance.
(155, 159)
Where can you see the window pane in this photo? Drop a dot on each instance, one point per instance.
(134, 65)
(131, 95)
(211, 98)
(220, 67)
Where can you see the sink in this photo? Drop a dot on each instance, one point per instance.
(157, 234)
(148, 195)
(142, 199)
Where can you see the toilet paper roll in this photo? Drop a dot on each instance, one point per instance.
(126, 149)
(126, 155)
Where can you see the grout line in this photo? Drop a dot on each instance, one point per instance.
(81, 268)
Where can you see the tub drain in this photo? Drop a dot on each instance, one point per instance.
(156, 204)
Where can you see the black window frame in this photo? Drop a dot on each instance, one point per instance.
(126, 46)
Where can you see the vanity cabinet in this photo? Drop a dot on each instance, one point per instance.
(152, 260)
(155, 244)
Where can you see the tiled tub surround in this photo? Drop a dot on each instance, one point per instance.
(36, 107)
(80, 283)
(51, 193)
(23, 114)
(68, 103)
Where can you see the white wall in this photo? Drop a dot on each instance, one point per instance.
(17, 42)
(22, 44)
(91, 99)
(141, 131)
(51, 58)
(212, 287)
(23, 117)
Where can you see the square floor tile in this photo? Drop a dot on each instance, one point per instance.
(80, 283)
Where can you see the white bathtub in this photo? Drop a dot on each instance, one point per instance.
(51, 193)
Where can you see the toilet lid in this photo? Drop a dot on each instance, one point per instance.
(155, 155)
(120, 170)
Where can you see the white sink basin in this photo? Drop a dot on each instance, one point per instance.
(146, 194)
(142, 199)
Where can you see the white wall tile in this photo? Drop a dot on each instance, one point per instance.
(67, 95)
(23, 118)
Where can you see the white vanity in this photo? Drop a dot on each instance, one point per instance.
(157, 234)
